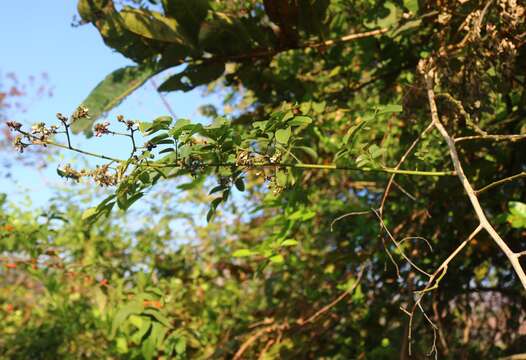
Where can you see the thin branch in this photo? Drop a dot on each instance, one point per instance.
(404, 191)
(433, 282)
(511, 138)
(67, 147)
(66, 126)
(132, 137)
(429, 75)
(297, 323)
(252, 339)
(501, 182)
(400, 162)
(261, 53)
(353, 213)
(346, 38)
(163, 99)
(397, 244)
(317, 167)
(463, 112)
(327, 307)
(417, 238)
(514, 357)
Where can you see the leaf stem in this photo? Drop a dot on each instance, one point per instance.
(319, 167)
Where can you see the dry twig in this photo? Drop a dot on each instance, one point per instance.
(426, 67)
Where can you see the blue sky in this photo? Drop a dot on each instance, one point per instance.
(38, 37)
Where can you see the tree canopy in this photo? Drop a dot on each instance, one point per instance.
(363, 188)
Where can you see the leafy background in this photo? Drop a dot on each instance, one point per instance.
(225, 256)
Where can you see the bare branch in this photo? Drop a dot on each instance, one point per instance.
(166, 104)
(400, 162)
(397, 244)
(433, 282)
(327, 307)
(501, 182)
(353, 213)
(429, 75)
(511, 138)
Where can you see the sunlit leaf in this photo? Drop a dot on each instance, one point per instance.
(111, 92)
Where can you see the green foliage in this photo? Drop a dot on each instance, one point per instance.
(328, 203)
(517, 215)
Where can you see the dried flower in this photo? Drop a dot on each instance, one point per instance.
(42, 132)
(102, 177)
(18, 144)
(13, 125)
(101, 129)
(129, 123)
(70, 173)
(63, 119)
(81, 112)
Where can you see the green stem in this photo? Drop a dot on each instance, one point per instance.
(67, 147)
(104, 157)
(319, 167)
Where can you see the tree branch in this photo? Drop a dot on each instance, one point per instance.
(511, 138)
(501, 182)
(429, 74)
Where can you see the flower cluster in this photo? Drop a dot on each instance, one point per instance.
(13, 125)
(100, 174)
(63, 119)
(19, 145)
(39, 134)
(42, 132)
(69, 173)
(512, 12)
(81, 112)
(102, 129)
(129, 123)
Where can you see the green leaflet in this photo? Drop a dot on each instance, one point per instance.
(188, 13)
(133, 308)
(412, 5)
(111, 91)
(193, 76)
(152, 25)
(517, 214)
(283, 135)
(88, 9)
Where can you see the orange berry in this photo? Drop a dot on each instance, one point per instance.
(10, 265)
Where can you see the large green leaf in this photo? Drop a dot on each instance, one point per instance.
(104, 16)
(152, 25)
(111, 91)
(189, 13)
(225, 35)
(193, 76)
(88, 9)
